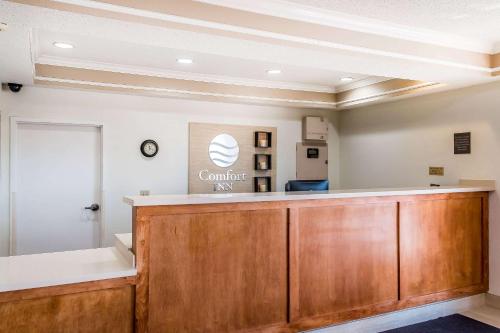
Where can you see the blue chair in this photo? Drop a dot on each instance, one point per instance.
(307, 185)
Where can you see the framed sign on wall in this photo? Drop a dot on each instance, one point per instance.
(222, 158)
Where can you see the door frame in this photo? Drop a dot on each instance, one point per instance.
(14, 124)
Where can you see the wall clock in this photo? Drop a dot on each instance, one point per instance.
(149, 148)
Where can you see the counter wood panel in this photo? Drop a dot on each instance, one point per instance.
(218, 272)
(441, 245)
(108, 310)
(290, 266)
(347, 258)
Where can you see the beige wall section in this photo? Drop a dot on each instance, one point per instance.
(200, 136)
(130, 119)
(393, 144)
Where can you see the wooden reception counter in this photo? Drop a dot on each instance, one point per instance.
(290, 262)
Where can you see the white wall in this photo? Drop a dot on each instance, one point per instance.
(393, 144)
(128, 120)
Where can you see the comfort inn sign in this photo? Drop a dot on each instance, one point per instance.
(221, 158)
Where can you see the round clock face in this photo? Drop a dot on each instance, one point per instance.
(149, 148)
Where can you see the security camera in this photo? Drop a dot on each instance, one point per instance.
(14, 87)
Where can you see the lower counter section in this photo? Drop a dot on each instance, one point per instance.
(97, 306)
(287, 266)
(343, 257)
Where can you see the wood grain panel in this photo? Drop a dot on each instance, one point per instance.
(109, 310)
(485, 224)
(218, 272)
(347, 258)
(73, 288)
(141, 247)
(441, 245)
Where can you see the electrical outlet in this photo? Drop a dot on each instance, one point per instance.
(144, 192)
(436, 171)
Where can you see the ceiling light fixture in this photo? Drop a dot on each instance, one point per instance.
(63, 45)
(185, 61)
(274, 71)
(346, 79)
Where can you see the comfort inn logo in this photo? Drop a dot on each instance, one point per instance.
(224, 150)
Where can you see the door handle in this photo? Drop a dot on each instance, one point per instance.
(94, 207)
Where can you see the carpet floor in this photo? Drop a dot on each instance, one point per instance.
(450, 324)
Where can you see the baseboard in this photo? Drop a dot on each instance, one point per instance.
(493, 301)
(408, 316)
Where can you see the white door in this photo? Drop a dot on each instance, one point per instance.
(57, 175)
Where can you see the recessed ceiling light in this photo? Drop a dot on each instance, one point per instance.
(346, 79)
(185, 61)
(63, 45)
(274, 71)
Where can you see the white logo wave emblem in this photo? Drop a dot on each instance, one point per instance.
(224, 150)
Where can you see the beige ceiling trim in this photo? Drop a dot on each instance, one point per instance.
(169, 85)
(495, 61)
(361, 83)
(151, 85)
(207, 18)
(171, 93)
(390, 96)
(380, 90)
(495, 64)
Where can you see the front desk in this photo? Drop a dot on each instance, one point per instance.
(288, 262)
(261, 262)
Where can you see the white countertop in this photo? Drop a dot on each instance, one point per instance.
(58, 268)
(190, 199)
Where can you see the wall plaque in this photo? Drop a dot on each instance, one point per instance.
(436, 171)
(462, 143)
(222, 158)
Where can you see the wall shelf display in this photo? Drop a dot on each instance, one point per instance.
(263, 162)
(263, 139)
(262, 184)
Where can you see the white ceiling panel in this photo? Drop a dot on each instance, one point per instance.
(162, 61)
(475, 19)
